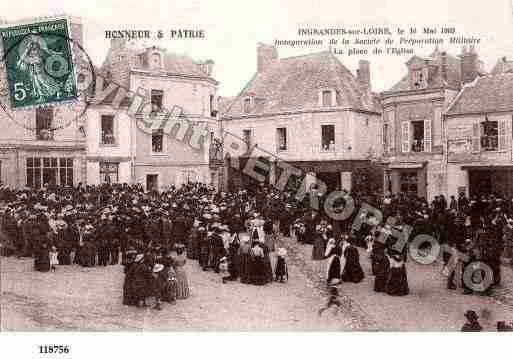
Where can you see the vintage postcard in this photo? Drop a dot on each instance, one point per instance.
(263, 167)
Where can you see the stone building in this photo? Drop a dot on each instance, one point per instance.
(413, 130)
(307, 111)
(479, 136)
(120, 150)
(42, 144)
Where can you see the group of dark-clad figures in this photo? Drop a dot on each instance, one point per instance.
(240, 233)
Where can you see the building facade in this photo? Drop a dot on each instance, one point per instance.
(120, 150)
(307, 111)
(413, 129)
(479, 136)
(42, 144)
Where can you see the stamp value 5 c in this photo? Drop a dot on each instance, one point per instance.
(39, 64)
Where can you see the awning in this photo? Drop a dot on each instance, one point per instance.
(405, 165)
(487, 167)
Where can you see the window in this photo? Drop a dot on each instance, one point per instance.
(156, 100)
(50, 171)
(418, 78)
(156, 61)
(66, 171)
(385, 137)
(157, 141)
(247, 137)
(409, 182)
(328, 137)
(109, 172)
(152, 182)
(417, 144)
(281, 134)
(489, 136)
(247, 105)
(44, 117)
(213, 112)
(326, 98)
(107, 123)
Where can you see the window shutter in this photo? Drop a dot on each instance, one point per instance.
(391, 131)
(476, 137)
(427, 136)
(383, 135)
(30, 125)
(503, 144)
(405, 136)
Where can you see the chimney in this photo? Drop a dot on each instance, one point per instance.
(207, 67)
(443, 66)
(363, 75)
(469, 65)
(267, 55)
(117, 43)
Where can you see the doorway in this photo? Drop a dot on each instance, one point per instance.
(480, 182)
(152, 182)
(331, 179)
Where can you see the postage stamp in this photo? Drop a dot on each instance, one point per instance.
(39, 64)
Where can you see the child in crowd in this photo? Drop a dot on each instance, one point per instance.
(281, 272)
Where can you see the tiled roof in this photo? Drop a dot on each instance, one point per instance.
(435, 77)
(173, 63)
(490, 93)
(293, 84)
(503, 65)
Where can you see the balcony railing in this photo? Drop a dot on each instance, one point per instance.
(328, 147)
(489, 143)
(417, 146)
(44, 135)
(108, 139)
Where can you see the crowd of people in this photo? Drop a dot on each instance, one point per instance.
(479, 229)
(153, 234)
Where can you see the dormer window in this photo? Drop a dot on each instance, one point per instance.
(326, 98)
(247, 105)
(418, 78)
(155, 61)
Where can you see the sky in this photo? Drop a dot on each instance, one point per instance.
(233, 28)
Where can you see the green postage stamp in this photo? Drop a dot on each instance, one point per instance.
(38, 63)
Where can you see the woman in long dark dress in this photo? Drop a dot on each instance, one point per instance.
(333, 268)
(267, 263)
(258, 273)
(380, 265)
(204, 248)
(42, 257)
(128, 297)
(353, 271)
(319, 243)
(142, 280)
(397, 284)
(245, 259)
(193, 243)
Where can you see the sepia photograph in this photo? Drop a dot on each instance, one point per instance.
(255, 167)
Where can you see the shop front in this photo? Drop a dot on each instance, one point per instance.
(407, 178)
(486, 180)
